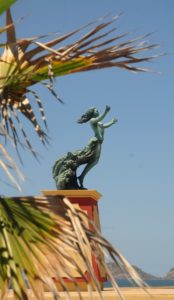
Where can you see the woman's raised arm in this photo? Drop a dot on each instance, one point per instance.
(101, 117)
(107, 125)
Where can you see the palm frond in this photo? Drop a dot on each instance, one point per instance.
(26, 62)
(7, 163)
(45, 238)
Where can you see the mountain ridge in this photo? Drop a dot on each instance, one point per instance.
(118, 274)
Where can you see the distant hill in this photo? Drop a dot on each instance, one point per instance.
(144, 275)
(118, 274)
(170, 274)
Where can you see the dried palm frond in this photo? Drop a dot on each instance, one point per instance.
(22, 67)
(42, 238)
(7, 163)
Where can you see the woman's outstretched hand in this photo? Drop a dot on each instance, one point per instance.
(107, 108)
(114, 120)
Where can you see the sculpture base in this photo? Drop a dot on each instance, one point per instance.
(87, 200)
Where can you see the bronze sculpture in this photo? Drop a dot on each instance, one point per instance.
(65, 168)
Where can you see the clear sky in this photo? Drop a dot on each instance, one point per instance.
(136, 170)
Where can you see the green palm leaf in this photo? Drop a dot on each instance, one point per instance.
(5, 4)
(33, 240)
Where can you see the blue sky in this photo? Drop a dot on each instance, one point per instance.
(136, 170)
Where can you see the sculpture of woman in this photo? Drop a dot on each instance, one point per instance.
(64, 170)
(95, 119)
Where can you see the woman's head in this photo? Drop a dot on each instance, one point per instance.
(91, 113)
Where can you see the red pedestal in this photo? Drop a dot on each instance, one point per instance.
(87, 200)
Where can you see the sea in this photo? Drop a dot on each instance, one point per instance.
(151, 283)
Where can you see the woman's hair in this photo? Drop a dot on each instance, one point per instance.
(87, 116)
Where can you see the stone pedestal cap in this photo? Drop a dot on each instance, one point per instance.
(73, 193)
